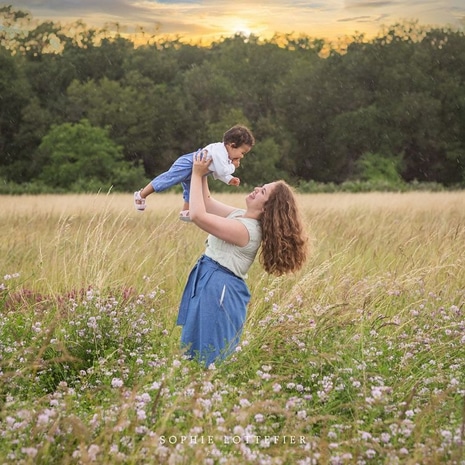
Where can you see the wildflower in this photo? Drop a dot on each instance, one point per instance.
(447, 435)
(93, 451)
(262, 375)
(43, 418)
(92, 323)
(365, 435)
(277, 387)
(37, 327)
(29, 451)
(244, 403)
(144, 398)
(238, 430)
(370, 453)
(385, 437)
(206, 403)
(207, 387)
(10, 276)
(264, 443)
(116, 383)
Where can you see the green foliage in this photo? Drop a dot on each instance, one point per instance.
(261, 165)
(399, 95)
(80, 157)
(14, 95)
(376, 168)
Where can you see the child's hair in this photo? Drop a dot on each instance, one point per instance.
(239, 135)
(284, 245)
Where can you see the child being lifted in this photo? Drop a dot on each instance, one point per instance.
(226, 157)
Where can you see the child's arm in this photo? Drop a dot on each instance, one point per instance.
(235, 181)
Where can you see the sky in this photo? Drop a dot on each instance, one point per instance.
(207, 20)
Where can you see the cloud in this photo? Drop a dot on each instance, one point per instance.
(211, 19)
(369, 4)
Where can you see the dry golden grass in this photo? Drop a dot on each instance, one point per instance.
(64, 242)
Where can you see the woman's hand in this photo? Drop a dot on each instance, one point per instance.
(201, 162)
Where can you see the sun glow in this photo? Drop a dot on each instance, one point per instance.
(240, 27)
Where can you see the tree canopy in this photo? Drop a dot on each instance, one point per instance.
(80, 107)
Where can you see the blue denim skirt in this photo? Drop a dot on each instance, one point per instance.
(212, 311)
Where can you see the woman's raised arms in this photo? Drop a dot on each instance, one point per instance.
(209, 214)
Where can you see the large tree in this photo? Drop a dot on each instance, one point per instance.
(83, 157)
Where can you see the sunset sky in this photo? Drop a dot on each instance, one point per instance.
(212, 19)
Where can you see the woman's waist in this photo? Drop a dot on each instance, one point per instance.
(218, 264)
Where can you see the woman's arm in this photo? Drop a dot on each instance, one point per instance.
(209, 214)
(211, 205)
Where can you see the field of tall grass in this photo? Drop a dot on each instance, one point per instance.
(357, 359)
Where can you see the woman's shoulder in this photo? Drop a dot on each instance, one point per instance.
(250, 223)
(236, 213)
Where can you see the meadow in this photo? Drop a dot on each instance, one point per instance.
(356, 359)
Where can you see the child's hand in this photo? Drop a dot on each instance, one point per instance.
(236, 162)
(234, 182)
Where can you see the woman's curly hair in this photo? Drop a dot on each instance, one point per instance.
(284, 245)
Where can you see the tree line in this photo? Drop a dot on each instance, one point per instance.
(81, 109)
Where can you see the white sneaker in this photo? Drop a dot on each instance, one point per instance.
(139, 202)
(184, 216)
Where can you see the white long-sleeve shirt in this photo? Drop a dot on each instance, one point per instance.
(221, 166)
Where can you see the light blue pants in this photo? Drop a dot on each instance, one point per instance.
(179, 173)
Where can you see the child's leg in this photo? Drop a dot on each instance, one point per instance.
(184, 214)
(186, 188)
(180, 171)
(147, 190)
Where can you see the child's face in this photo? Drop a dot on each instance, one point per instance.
(236, 154)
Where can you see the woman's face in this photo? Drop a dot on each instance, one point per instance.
(258, 197)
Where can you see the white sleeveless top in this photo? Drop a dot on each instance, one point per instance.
(235, 258)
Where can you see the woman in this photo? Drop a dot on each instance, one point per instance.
(214, 303)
